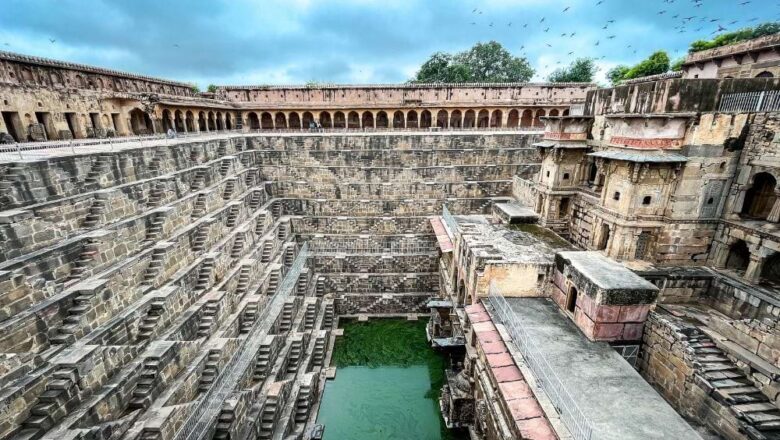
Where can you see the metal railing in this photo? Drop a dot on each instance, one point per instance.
(575, 420)
(206, 413)
(449, 220)
(766, 101)
(417, 246)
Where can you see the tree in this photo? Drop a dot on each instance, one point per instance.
(677, 65)
(212, 88)
(727, 38)
(194, 88)
(656, 63)
(485, 62)
(581, 70)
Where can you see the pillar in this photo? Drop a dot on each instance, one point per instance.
(753, 272)
(774, 215)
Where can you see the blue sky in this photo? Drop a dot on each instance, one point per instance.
(353, 41)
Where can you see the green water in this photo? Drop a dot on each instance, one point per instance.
(387, 384)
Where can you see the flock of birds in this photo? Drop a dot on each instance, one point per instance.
(689, 23)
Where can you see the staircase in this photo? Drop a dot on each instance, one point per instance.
(199, 180)
(66, 334)
(142, 394)
(155, 194)
(301, 286)
(281, 233)
(94, 213)
(200, 238)
(273, 282)
(232, 216)
(276, 210)
(84, 261)
(61, 394)
(155, 229)
(150, 320)
(294, 356)
(248, 318)
(210, 371)
(262, 364)
(224, 167)
(199, 208)
(327, 319)
(727, 384)
(99, 168)
(155, 265)
(286, 318)
(318, 355)
(230, 187)
(207, 319)
(309, 317)
(242, 285)
(265, 256)
(204, 274)
(224, 423)
(238, 246)
(268, 418)
(302, 404)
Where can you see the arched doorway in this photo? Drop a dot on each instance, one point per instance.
(228, 121)
(604, 239)
(220, 121)
(339, 120)
(166, 120)
(527, 119)
(537, 120)
(469, 119)
(325, 120)
(295, 121)
(760, 198)
(281, 120)
(571, 299)
(483, 119)
(178, 121)
(211, 122)
(442, 119)
(554, 112)
(765, 74)
(190, 121)
(495, 119)
(308, 120)
(140, 122)
(254, 121)
(353, 120)
(368, 120)
(202, 124)
(770, 272)
(266, 121)
(739, 256)
(456, 119)
(398, 119)
(513, 119)
(426, 119)
(411, 119)
(381, 120)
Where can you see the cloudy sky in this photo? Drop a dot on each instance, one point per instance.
(354, 41)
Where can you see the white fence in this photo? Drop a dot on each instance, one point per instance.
(575, 420)
(766, 101)
(208, 407)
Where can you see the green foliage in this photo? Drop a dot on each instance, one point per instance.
(212, 88)
(194, 88)
(677, 65)
(312, 83)
(656, 63)
(734, 37)
(485, 62)
(386, 342)
(581, 70)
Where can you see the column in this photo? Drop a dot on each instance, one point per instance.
(753, 272)
(774, 215)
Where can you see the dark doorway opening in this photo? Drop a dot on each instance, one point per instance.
(13, 124)
(571, 300)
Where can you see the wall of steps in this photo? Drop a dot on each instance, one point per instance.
(129, 279)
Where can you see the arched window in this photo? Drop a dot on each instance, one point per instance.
(765, 74)
(760, 198)
(739, 256)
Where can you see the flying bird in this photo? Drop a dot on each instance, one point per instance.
(52, 41)
(566, 8)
